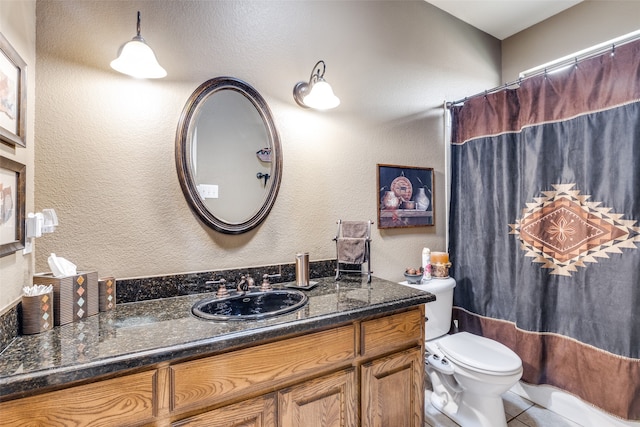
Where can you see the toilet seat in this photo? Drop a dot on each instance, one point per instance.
(480, 354)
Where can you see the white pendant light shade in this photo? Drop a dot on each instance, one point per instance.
(316, 94)
(136, 59)
(321, 97)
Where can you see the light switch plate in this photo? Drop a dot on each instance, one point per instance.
(208, 191)
(28, 246)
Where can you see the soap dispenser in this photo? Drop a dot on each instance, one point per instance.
(426, 264)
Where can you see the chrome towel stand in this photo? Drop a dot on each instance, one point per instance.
(367, 253)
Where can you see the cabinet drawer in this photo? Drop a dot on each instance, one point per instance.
(120, 401)
(392, 332)
(211, 380)
(258, 412)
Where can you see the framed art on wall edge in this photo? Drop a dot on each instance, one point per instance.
(13, 95)
(12, 206)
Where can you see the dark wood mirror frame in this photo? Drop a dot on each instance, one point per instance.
(183, 154)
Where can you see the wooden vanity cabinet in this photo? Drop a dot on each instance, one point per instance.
(381, 383)
(365, 373)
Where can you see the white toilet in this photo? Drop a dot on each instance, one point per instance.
(468, 372)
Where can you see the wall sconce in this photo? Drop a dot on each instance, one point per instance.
(317, 93)
(136, 59)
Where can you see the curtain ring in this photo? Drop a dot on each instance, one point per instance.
(613, 49)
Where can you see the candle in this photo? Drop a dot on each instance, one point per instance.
(439, 258)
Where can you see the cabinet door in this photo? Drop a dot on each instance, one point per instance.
(329, 401)
(258, 412)
(392, 390)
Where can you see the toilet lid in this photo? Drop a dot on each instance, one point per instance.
(479, 353)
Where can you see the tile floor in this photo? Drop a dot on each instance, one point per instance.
(519, 412)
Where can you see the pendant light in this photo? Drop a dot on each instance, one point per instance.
(317, 93)
(136, 59)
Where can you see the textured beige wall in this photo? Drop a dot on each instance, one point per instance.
(18, 25)
(105, 142)
(587, 24)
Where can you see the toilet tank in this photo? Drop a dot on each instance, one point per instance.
(438, 312)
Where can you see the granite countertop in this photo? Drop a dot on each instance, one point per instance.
(139, 334)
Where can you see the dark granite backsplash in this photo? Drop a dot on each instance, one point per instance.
(149, 288)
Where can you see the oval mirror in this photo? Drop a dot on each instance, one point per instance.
(228, 155)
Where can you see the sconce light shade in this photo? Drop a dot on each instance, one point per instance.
(136, 59)
(316, 94)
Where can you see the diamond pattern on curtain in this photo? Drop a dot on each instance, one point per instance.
(545, 226)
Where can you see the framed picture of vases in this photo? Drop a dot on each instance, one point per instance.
(405, 196)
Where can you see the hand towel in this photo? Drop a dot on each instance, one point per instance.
(355, 229)
(351, 250)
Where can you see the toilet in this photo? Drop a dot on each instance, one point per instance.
(468, 372)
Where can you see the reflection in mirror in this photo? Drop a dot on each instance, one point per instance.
(228, 155)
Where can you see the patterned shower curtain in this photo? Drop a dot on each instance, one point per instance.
(545, 226)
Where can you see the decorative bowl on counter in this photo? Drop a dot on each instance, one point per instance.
(413, 278)
(408, 204)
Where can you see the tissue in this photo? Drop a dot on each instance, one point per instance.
(35, 290)
(61, 267)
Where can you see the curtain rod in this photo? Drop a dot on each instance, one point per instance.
(557, 65)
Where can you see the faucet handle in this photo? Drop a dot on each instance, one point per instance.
(222, 288)
(266, 286)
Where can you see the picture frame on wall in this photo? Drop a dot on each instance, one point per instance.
(405, 196)
(13, 95)
(12, 206)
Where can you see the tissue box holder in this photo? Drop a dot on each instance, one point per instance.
(75, 297)
(37, 313)
(107, 293)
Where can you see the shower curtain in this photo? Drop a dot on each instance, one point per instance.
(545, 226)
